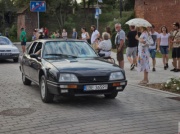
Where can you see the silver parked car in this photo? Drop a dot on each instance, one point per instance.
(8, 50)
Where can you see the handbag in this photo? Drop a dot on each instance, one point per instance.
(150, 41)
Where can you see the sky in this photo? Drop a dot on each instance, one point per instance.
(78, 1)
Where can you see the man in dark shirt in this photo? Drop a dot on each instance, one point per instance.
(131, 50)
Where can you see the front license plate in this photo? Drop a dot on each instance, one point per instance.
(4, 54)
(95, 87)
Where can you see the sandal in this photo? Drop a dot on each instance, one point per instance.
(143, 82)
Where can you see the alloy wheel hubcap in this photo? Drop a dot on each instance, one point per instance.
(42, 89)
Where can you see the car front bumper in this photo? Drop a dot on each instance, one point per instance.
(9, 56)
(78, 88)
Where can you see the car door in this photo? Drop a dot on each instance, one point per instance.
(26, 59)
(35, 64)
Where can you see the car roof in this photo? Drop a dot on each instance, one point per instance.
(46, 40)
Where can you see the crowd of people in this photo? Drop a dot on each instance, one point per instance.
(138, 50)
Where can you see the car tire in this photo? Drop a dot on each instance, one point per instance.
(45, 95)
(111, 95)
(25, 80)
(15, 60)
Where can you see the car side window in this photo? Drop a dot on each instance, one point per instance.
(32, 48)
(38, 47)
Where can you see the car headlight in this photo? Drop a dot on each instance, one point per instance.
(116, 76)
(68, 78)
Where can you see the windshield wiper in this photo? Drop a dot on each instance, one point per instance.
(73, 56)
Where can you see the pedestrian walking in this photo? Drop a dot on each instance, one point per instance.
(153, 47)
(119, 42)
(175, 40)
(74, 34)
(64, 34)
(84, 35)
(143, 55)
(95, 35)
(131, 51)
(164, 45)
(23, 39)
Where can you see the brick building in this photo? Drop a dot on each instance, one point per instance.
(158, 12)
(27, 20)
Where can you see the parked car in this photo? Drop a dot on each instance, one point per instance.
(8, 50)
(69, 67)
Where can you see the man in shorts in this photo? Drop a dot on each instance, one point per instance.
(175, 40)
(119, 42)
(152, 48)
(131, 50)
(23, 39)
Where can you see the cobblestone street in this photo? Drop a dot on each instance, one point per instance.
(137, 110)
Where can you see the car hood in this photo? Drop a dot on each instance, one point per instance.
(9, 47)
(89, 66)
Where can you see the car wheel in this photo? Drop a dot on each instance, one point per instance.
(45, 95)
(111, 95)
(25, 80)
(15, 60)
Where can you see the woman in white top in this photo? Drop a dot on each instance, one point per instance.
(64, 34)
(95, 35)
(164, 45)
(84, 34)
(105, 45)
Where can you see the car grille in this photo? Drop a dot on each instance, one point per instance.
(93, 79)
(5, 50)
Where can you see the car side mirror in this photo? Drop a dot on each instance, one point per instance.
(101, 55)
(34, 56)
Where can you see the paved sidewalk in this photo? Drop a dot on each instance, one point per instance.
(160, 75)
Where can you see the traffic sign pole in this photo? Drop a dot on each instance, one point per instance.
(97, 16)
(38, 6)
(38, 19)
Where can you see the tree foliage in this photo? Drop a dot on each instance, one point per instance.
(60, 9)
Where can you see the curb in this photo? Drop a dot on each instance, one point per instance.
(157, 90)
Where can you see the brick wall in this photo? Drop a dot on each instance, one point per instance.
(27, 20)
(158, 12)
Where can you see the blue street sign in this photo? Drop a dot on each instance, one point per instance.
(38, 6)
(97, 12)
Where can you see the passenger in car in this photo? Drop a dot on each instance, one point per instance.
(38, 53)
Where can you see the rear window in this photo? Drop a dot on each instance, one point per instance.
(75, 48)
(5, 41)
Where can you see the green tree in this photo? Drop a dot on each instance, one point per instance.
(60, 9)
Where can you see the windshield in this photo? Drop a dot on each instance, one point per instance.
(68, 49)
(5, 41)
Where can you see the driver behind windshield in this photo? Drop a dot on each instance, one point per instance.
(105, 45)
